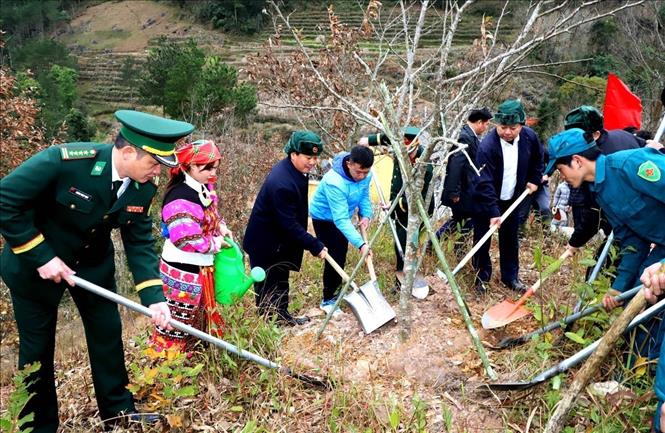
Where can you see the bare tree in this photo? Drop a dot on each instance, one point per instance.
(387, 73)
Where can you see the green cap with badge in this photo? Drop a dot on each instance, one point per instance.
(305, 142)
(510, 112)
(567, 143)
(154, 134)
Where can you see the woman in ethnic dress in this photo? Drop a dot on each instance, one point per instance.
(193, 233)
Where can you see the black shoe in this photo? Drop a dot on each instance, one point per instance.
(481, 287)
(285, 318)
(132, 417)
(516, 285)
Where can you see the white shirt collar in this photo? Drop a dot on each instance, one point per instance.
(115, 177)
(201, 189)
(505, 143)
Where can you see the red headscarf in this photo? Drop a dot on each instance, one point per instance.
(200, 152)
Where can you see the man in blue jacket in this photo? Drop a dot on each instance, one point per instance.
(587, 218)
(630, 189)
(510, 159)
(457, 188)
(343, 190)
(276, 233)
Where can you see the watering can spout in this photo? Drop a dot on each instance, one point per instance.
(231, 283)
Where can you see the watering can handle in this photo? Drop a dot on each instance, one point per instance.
(340, 271)
(368, 259)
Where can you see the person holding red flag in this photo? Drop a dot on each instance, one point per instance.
(193, 233)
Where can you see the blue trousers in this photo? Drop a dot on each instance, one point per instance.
(508, 246)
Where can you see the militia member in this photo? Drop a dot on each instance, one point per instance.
(276, 233)
(194, 232)
(587, 217)
(57, 211)
(511, 157)
(343, 190)
(630, 189)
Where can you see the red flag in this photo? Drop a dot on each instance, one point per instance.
(622, 108)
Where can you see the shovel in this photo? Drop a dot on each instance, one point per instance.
(420, 287)
(566, 321)
(508, 311)
(368, 304)
(576, 358)
(111, 296)
(485, 237)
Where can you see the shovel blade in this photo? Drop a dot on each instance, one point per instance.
(420, 287)
(512, 386)
(502, 314)
(370, 307)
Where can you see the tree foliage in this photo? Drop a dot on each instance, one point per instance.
(234, 16)
(188, 84)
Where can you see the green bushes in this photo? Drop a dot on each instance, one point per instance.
(188, 84)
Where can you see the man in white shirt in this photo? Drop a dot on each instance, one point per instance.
(511, 159)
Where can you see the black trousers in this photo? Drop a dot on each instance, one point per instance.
(508, 246)
(338, 246)
(272, 294)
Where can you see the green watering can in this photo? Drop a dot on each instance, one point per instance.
(231, 283)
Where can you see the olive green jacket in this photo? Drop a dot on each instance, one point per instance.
(60, 203)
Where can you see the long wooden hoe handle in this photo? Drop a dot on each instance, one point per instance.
(368, 260)
(340, 271)
(491, 231)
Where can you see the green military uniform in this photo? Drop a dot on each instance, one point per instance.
(60, 203)
(401, 214)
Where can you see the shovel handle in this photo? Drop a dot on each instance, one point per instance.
(340, 271)
(368, 260)
(491, 231)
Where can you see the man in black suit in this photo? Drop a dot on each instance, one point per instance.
(457, 192)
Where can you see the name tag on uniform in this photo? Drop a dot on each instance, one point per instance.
(80, 194)
(135, 209)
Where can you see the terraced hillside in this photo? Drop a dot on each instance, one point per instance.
(110, 33)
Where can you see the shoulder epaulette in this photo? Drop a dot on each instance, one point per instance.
(78, 152)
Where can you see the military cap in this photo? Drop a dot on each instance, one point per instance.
(305, 142)
(584, 117)
(511, 112)
(569, 142)
(154, 134)
(479, 114)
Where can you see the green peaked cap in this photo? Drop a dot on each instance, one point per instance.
(305, 142)
(410, 131)
(154, 134)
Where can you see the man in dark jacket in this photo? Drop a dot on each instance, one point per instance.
(276, 233)
(510, 158)
(587, 217)
(457, 192)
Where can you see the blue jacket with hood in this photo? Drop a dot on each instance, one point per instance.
(337, 198)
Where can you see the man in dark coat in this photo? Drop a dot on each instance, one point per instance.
(457, 188)
(587, 216)
(510, 159)
(57, 211)
(276, 233)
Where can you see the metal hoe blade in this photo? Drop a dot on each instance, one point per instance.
(577, 357)
(503, 314)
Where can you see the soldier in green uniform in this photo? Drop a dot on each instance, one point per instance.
(400, 214)
(57, 211)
